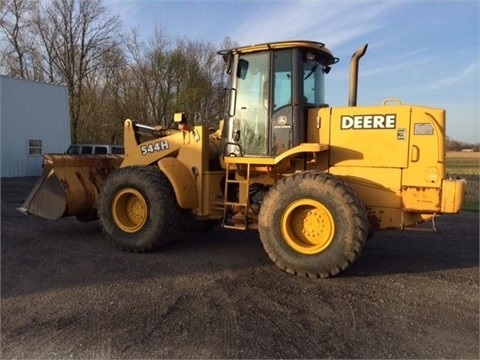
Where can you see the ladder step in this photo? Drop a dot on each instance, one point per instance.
(239, 220)
(230, 181)
(236, 223)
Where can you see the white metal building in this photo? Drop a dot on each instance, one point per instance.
(34, 120)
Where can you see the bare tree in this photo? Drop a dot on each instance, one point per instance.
(149, 65)
(183, 76)
(76, 36)
(16, 25)
(104, 100)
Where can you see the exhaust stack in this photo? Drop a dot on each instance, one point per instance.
(352, 92)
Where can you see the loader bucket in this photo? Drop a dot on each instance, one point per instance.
(69, 186)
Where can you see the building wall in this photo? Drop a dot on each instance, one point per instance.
(31, 111)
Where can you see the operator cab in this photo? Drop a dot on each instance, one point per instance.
(271, 88)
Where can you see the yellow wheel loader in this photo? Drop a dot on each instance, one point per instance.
(315, 181)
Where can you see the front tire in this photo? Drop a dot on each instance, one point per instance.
(138, 210)
(313, 224)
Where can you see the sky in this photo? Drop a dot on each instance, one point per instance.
(421, 52)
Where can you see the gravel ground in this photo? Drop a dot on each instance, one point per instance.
(66, 293)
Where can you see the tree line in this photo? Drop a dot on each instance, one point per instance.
(110, 75)
(454, 145)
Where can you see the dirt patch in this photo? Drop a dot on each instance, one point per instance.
(463, 154)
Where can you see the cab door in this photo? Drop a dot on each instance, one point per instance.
(282, 111)
(250, 123)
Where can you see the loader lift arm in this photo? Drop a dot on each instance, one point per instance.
(166, 142)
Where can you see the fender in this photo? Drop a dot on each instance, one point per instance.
(182, 181)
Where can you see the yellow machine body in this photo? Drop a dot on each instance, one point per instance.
(393, 156)
(315, 180)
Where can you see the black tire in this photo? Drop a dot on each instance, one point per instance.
(313, 224)
(138, 210)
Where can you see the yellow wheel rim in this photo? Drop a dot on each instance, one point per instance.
(307, 226)
(129, 210)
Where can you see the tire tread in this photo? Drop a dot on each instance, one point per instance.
(349, 198)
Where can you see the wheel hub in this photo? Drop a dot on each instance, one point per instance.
(308, 226)
(129, 210)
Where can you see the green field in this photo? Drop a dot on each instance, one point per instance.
(467, 166)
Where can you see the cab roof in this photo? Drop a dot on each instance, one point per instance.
(316, 47)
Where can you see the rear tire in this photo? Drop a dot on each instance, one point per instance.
(313, 224)
(138, 210)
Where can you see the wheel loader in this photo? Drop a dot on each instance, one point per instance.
(315, 181)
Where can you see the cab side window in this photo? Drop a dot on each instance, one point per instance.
(282, 87)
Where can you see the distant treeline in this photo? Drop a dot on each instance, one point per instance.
(454, 145)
